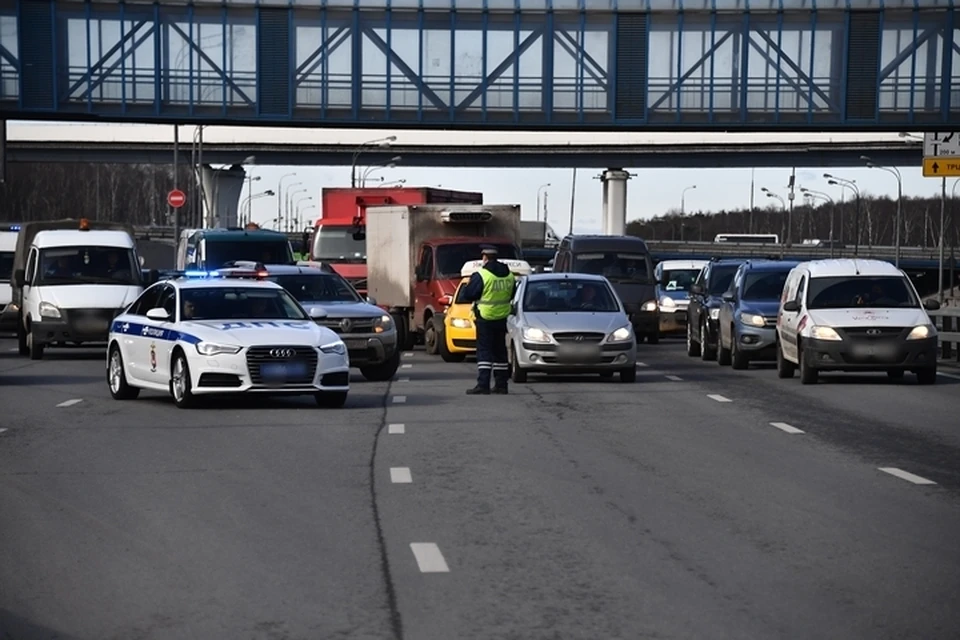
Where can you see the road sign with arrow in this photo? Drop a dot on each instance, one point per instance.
(941, 167)
(941, 154)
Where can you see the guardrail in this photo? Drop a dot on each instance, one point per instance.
(947, 320)
(806, 251)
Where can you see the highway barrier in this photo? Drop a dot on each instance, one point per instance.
(947, 319)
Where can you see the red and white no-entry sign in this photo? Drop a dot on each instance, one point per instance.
(176, 198)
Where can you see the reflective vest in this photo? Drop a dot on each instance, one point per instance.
(494, 303)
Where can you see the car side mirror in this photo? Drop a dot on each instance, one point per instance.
(729, 297)
(318, 313)
(142, 261)
(158, 313)
(19, 277)
(513, 308)
(931, 305)
(791, 306)
(696, 289)
(371, 300)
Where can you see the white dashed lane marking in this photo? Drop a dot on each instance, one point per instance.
(408, 354)
(2, 430)
(399, 399)
(675, 378)
(719, 398)
(905, 475)
(400, 475)
(396, 429)
(429, 558)
(406, 366)
(70, 403)
(642, 364)
(404, 379)
(783, 426)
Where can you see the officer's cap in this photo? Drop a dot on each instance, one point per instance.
(488, 250)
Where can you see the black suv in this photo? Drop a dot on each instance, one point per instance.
(705, 300)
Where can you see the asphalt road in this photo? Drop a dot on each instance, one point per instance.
(670, 508)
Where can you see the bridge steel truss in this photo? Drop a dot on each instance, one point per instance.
(487, 64)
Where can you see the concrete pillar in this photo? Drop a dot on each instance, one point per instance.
(221, 195)
(614, 183)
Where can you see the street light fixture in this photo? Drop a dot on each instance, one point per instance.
(683, 195)
(896, 174)
(248, 203)
(296, 210)
(539, 190)
(852, 185)
(819, 195)
(380, 142)
(389, 164)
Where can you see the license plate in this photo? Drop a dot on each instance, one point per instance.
(280, 372)
(578, 352)
(358, 343)
(875, 351)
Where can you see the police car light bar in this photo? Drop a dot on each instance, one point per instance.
(12, 227)
(517, 267)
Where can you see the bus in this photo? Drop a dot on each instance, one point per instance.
(748, 238)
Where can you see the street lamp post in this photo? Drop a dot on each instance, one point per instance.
(280, 192)
(852, 185)
(833, 208)
(380, 142)
(286, 204)
(248, 203)
(783, 209)
(389, 164)
(896, 174)
(296, 212)
(289, 208)
(683, 199)
(540, 189)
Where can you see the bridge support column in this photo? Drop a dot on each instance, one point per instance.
(221, 195)
(614, 201)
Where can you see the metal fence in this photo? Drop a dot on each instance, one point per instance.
(947, 319)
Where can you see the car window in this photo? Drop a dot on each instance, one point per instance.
(239, 303)
(764, 286)
(720, 278)
(569, 295)
(220, 252)
(847, 292)
(679, 279)
(88, 265)
(617, 266)
(458, 296)
(451, 257)
(147, 301)
(318, 288)
(6, 266)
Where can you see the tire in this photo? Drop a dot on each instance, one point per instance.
(517, 374)
(35, 350)
(895, 374)
(927, 376)
(723, 355)
(405, 338)
(808, 375)
(430, 336)
(445, 353)
(785, 368)
(628, 375)
(117, 376)
(383, 371)
(693, 348)
(22, 338)
(706, 353)
(181, 386)
(330, 399)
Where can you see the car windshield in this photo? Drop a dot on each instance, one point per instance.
(6, 266)
(88, 265)
(569, 295)
(318, 288)
(239, 303)
(764, 286)
(617, 266)
(720, 279)
(679, 279)
(458, 298)
(848, 292)
(451, 257)
(337, 244)
(219, 253)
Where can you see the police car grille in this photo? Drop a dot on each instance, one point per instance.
(581, 337)
(259, 356)
(357, 325)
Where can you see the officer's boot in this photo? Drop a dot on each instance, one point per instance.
(483, 384)
(500, 381)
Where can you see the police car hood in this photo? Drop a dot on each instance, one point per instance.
(347, 309)
(869, 317)
(256, 332)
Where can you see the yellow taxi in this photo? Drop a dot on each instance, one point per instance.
(459, 337)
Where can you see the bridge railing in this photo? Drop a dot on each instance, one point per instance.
(947, 320)
(761, 250)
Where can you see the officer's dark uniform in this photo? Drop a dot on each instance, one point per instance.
(491, 290)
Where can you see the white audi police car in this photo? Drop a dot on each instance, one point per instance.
(194, 336)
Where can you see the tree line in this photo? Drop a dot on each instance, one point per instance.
(877, 223)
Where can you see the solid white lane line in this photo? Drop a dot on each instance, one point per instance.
(408, 354)
(406, 366)
(2, 430)
(70, 403)
(904, 475)
(675, 378)
(400, 475)
(396, 429)
(429, 558)
(718, 397)
(404, 379)
(783, 426)
(642, 364)
(948, 375)
(399, 399)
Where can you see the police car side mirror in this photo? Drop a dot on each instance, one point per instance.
(19, 277)
(317, 313)
(158, 314)
(931, 305)
(791, 306)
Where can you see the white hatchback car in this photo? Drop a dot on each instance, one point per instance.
(204, 336)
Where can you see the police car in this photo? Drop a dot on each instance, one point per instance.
(202, 334)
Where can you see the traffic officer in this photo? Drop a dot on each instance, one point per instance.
(491, 289)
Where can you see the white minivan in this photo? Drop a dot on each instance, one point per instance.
(8, 247)
(854, 315)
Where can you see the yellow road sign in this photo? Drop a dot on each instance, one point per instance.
(941, 167)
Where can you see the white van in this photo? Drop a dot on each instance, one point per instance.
(74, 283)
(854, 315)
(8, 247)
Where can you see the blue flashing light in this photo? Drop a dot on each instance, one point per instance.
(201, 274)
(14, 227)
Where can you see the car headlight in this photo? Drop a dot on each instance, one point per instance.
(752, 319)
(824, 333)
(460, 323)
(214, 349)
(532, 334)
(48, 310)
(649, 305)
(667, 301)
(337, 348)
(714, 314)
(383, 324)
(922, 331)
(622, 334)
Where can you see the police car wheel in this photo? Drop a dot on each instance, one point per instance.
(180, 385)
(117, 377)
(330, 399)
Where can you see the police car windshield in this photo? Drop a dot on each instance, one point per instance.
(617, 266)
(764, 286)
(219, 253)
(238, 303)
(720, 279)
(847, 292)
(679, 279)
(568, 295)
(318, 288)
(88, 265)
(452, 257)
(6, 266)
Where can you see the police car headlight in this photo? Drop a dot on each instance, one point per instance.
(460, 323)
(922, 331)
(214, 349)
(667, 301)
(383, 324)
(337, 348)
(649, 305)
(824, 333)
(532, 334)
(714, 314)
(622, 334)
(48, 310)
(752, 319)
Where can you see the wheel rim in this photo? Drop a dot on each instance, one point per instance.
(431, 337)
(179, 380)
(116, 371)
